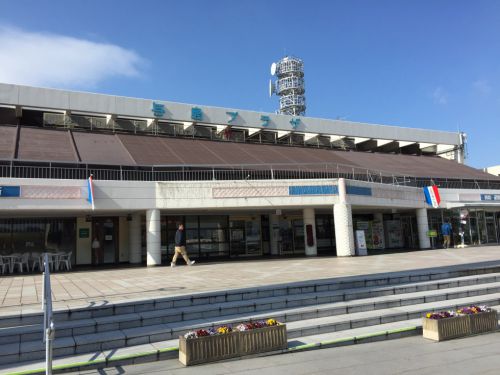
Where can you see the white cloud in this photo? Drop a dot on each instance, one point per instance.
(440, 96)
(43, 59)
(482, 87)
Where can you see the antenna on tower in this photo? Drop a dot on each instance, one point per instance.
(289, 85)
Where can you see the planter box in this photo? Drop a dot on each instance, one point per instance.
(262, 340)
(459, 326)
(484, 322)
(231, 345)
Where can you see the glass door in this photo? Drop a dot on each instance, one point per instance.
(245, 236)
(237, 237)
(491, 227)
(105, 230)
(298, 236)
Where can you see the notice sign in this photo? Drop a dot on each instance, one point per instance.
(432, 233)
(84, 233)
(361, 243)
(10, 191)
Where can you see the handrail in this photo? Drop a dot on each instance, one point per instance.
(276, 171)
(48, 323)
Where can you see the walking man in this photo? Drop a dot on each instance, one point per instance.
(180, 247)
(446, 232)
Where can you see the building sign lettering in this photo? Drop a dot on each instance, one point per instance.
(196, 114)
(295, 122)
(265, 120)
(158, 109)
(232, 116)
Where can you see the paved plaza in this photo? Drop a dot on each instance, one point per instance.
(103, 286)
(410, 356)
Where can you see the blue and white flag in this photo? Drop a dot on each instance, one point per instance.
(432, 196)
(90, 186)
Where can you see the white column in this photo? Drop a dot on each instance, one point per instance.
(342, 214)
(274, 227)
(423, 228)
(153, 231)
(309, 218)
(135, 246)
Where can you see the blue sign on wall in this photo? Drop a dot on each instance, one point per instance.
(313, 190)
(10, 191)
(359, 190)
(490, 197)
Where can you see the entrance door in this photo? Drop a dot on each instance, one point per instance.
(409, 235)
(106, 230)
(291, 236)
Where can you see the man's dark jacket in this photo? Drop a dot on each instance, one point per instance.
(180, 238)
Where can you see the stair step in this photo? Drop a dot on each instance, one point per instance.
(168, 349)
(288, 313)
(31, 316)
(309, 308)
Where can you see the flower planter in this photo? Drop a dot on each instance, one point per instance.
(445, 329)
(230, 345)
(484, 322)
(459, 326)
(260, 340)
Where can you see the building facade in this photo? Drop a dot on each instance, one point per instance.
(245, 184)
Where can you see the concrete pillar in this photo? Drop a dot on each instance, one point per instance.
(342, 214)
(135, 246)
(309, 218)
(274, 229)
(153, 237)
(422, 228)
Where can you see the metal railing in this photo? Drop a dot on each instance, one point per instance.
(48, 170)
(48, 323)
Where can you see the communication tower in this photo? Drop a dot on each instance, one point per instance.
(289, 85)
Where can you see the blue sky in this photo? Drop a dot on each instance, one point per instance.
(427, 64)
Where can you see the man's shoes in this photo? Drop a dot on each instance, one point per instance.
(172, 264)
(191, 263)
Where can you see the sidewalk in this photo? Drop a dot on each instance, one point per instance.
(98, 287)
(409, 356)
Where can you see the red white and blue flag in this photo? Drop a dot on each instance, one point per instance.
(90, 186)
(432, 195)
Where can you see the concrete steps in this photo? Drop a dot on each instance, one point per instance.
(308, 309)
(350, 301)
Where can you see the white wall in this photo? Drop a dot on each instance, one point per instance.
(83, 245)
(123, 239)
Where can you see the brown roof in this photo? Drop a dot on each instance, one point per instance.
(102, 148)
(46, 145)
(128, 149)
(7, 141)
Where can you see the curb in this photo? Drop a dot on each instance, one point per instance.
(172, 352)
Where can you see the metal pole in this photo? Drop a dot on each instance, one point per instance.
(48, 324)
(49, 338)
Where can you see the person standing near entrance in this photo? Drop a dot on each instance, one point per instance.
(96, 248)
(180, 247)
(446, 232)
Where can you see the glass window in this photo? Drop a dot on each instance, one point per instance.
(191, 222)
(37, 234)
(214, 222)
(325, 235)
